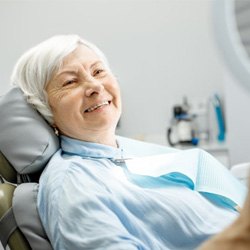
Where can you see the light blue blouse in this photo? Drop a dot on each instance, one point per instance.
(88, 201)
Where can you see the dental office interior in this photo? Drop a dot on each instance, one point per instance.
(177, 86)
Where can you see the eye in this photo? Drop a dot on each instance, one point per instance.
(98, 72)
(69, 82)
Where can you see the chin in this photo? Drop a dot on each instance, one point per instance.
(103, 127)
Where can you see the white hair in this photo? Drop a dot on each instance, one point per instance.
(35, 68)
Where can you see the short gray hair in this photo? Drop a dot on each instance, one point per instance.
(35, 68)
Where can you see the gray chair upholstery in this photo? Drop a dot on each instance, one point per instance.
(26, 140)
(17, 240)
(27, 143)
(27, 217)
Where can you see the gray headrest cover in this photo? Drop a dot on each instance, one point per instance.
(26, 139)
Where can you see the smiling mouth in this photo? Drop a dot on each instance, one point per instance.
(97, 106)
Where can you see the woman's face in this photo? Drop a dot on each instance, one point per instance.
(84, 96)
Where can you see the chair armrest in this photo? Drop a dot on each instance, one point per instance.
(241, 171)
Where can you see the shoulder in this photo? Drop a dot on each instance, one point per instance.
(57, 173)
(56, 189)
(66, 174)
(56, 168)
(67, 188)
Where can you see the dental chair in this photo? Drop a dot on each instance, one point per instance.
(26, 144)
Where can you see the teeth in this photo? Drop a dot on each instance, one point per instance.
(97, 106)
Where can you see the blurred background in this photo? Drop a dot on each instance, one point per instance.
(176, 88)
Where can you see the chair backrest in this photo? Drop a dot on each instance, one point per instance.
(26, 144)
(14, 237)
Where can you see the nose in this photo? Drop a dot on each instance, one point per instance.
(93, 86)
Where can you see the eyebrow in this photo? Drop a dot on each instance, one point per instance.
(75, 72)
(97, 62)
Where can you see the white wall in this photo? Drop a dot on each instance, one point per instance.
(159, 49)
(238, 120)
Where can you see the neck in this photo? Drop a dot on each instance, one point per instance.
(109, 140)
(106, 137)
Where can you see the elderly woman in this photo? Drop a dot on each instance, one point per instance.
(88, 196)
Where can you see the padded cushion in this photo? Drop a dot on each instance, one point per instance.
(27, 217)
(26, 139)
(16, 239)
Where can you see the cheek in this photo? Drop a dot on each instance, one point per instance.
(118, 96)
(115, 89)
(64, 113)
(54, 97)
(61, 106)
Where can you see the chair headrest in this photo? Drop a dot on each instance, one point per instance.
(26, 139)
